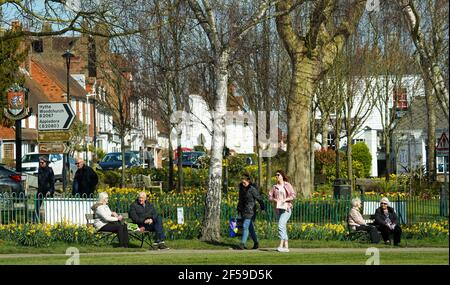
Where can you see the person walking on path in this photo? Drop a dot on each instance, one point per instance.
(85, 179)
(248, 195)
(282, 194)
(46, 183)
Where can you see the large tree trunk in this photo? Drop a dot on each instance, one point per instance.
(259, 151)
(299, 113)
(429, 62)
(431, 130)
(211, 222)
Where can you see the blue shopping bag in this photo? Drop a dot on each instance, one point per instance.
(235, 227)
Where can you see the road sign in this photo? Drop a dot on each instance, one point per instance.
(442, 146)
(55, 116)
(54, 136)
(53, 148)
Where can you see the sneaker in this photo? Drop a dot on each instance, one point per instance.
(162, 245)
(282, 249)
(240, 247)
(255, 246)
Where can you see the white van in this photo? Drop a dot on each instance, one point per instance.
(30, 164)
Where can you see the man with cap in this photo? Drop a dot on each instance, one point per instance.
(46, 182)
(386, 221)
(85, 179)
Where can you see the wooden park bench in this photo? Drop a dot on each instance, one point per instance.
(149, 184)
(108, 237)
(145, 182)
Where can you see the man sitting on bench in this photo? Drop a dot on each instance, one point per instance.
(144, 215)
(357, 223)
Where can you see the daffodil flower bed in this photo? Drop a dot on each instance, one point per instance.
(42, 235)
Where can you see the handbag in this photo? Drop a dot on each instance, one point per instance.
(235, 228)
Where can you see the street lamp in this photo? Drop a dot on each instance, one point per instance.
(67, 55)
(88, 115)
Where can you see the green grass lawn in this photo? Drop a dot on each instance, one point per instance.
(231, 257)
(196, 252)
(11, 248)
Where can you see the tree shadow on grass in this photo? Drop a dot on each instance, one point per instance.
(224, 244)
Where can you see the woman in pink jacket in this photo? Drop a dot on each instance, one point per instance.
(282, 194)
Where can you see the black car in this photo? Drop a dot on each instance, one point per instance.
(10, 181)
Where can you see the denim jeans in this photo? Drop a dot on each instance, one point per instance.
(283, 217)
(247, 228)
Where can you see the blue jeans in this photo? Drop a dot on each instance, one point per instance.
(247, 228)
(283, 217)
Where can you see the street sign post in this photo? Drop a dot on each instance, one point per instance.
(55, 116)
(47, 148)
(54, 136)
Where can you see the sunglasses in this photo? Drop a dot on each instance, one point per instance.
(383, 203)
(77, 163)
(278, 174)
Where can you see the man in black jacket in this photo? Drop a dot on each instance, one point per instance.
(248, 195)
(144, 215)
(85, 179)
(387, 222)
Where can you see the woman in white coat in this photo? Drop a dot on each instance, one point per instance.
(107, 221)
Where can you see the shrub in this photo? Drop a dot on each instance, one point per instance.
(361, 153)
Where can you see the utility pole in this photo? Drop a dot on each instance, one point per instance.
(67, 56)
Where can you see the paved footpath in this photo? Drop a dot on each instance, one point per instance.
(203, 251)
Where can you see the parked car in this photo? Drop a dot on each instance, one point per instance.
(9, 180)
(113, 161)
(190, 159)
(30, 164)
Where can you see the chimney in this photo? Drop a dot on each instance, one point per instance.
(16, 26)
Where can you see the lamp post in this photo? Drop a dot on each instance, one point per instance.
(67, 55)
(88, 114)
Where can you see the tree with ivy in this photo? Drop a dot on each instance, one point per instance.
(10, 57)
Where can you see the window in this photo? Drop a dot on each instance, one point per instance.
(400, 99)
(440, 164)
(357, 140)
(330, 140)
(38, 46)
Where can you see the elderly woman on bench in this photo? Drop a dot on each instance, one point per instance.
(357, 223)
(107, 221)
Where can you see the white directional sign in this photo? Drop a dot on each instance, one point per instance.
(55, 116)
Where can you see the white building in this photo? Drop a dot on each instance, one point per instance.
(197, 130)
(377, 91)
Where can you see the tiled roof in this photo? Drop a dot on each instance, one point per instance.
(416, 117)
(59, 74)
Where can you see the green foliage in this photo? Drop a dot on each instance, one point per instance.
(361, 153)
(235, 164)
(11, 55)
